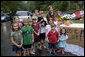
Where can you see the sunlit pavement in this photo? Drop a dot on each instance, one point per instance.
(6, 45)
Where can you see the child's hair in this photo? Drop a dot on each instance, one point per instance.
(34, 18)
(44, 22)
(30, 20)
(15, 18)
(41, 12)
(50, 7)
(55, 17)
(37, 10)
(61, 31)
(13, 25)
(25, 20)
(50, 19)
(53, 25)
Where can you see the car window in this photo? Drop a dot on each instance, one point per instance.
(22, 14)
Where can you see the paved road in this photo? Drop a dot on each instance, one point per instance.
(6, 45)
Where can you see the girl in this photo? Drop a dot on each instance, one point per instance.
(16, 19)
(28, 38)
(52, 36)
(57, 23)
(16, 39)
(42, 33)
(62, 40)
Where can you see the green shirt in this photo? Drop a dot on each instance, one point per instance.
(27, 34)
(16, 36)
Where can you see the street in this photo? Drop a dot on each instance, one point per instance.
(6, 45)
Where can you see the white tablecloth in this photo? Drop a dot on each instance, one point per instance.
(74, 25)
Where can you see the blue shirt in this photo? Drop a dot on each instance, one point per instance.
(63, 43)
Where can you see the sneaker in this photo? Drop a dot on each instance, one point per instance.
(55, 53)
(49, 54)
(62, 52)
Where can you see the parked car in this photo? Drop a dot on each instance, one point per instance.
(23, 14)
(5, 17)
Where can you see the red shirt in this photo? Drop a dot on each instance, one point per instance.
(36, 28)
(53, 36)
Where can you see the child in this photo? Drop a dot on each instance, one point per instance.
(30, 22)
(57, 23)
(52, 37)
(59, 15)
(42, 34)
(16, 39)
(36, 29)
(42, 17)
(62, 40)
(16, 19)
(36, 13)
(27, 36)
(47, 29)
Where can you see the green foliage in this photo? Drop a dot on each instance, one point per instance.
(14, 6)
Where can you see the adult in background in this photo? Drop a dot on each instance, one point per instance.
(50, 13)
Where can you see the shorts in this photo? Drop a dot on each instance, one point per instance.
(52, 46)
(15, 48)
(27, 46)
(36, 40)
(42, 36)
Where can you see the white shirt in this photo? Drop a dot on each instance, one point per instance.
(42, 30)
(48, 28)
(55, 22)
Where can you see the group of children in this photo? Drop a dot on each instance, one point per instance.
(36, 32)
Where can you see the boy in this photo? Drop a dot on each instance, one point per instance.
(52, 37)
(27, 32)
